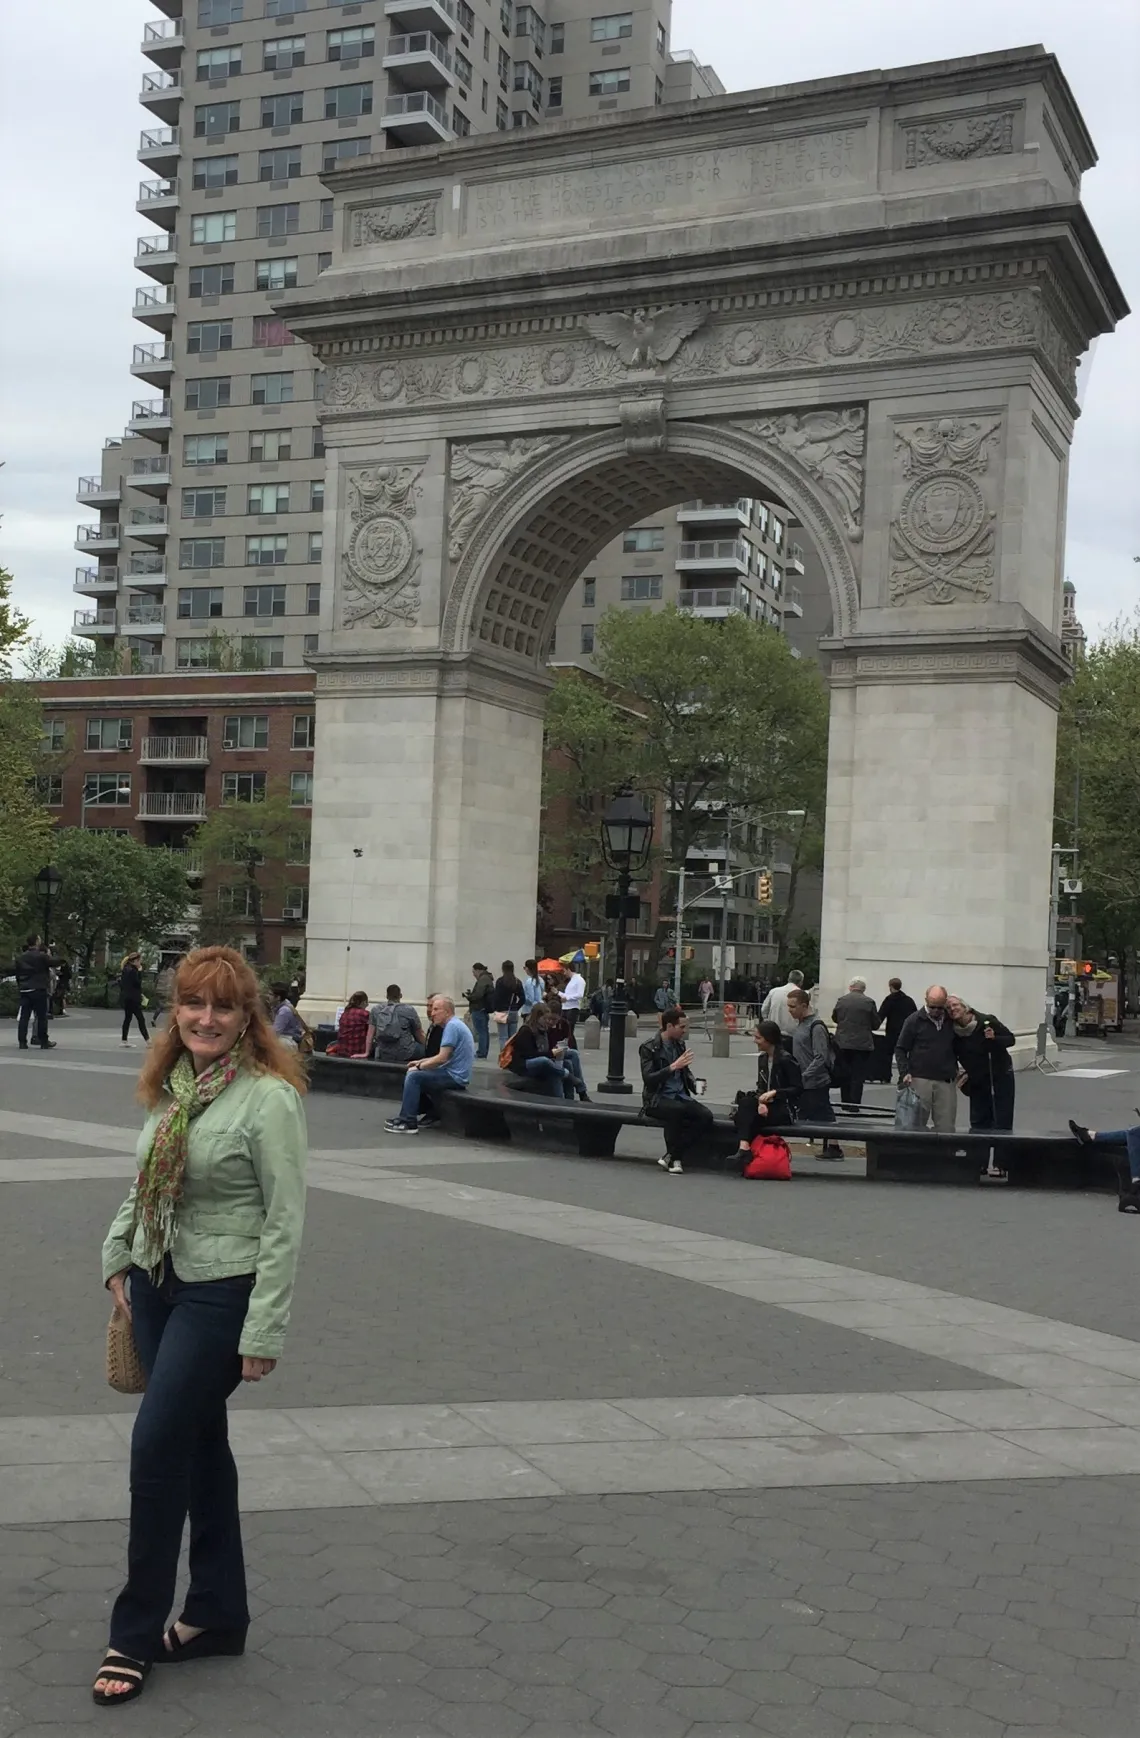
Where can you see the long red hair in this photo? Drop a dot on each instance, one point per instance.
(221, 975)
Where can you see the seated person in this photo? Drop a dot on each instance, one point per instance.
(669, 1092)
(534, 1060)
(778, 1085)
(449, 1067)
(394, 1030)
(1129, 1139)
(352, 1028)
(562, 1045)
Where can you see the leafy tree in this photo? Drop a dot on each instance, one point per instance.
(245, 849)
(25, 826)
(113, 890)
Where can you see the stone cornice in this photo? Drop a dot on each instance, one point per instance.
(1027, 656)
(439, 675)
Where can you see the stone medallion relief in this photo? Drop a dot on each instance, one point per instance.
(943, 534)
(380, 566)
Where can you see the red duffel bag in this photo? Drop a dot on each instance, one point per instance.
(771, 1159)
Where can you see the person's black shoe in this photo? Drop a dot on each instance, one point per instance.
(47, 1044)
(1129, 1201)
(1081, 1134)
(23, 1046)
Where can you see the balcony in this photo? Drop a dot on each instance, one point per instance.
(163, 42)
(146, 573)
(94, 624)
(721, 555)
(171, 805)
(146, 663)
(415, 119)
(153, 363)
(95, 539)
(794, 558)
(94, 492)
(159, 200)
(715, 512)
(96, 581)
(189, 861)
(156, 307)
(161, 93)
(791, 600)
(160, 149)
(148, 527)
(152, 476)
(716, 602)
(414, 15)
(421, 60)
(144, 618)
(157, 255)
(150, 417)
(175, 751)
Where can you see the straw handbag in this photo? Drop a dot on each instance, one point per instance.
(124, 1366)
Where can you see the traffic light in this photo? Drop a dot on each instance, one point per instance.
(591, 950)
(764, 887)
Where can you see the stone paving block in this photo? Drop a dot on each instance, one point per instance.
(961, 1455)
(632, 1466)
(822, 1460)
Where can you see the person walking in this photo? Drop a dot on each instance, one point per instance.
(669, 1091)
(706, 990)
(32, 970)
(507, 998)
(925, 1059)
(131, 996)
(811, 1051)
(479, 999)
(982, 1046)
(776, 1007)
(61, 989)
(778, 1088)
(448, 1066)
(663, 996)
(855, 1016)
(201, 1259)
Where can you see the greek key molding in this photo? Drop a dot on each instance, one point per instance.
(1030, 665)
(943, 535)
(380, 563)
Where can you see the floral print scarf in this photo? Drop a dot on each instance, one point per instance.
(159, 1186)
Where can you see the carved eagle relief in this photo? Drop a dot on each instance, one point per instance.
(646, 338)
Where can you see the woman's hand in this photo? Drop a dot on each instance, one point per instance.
(767, 1098)
(118, 1290)
(761, 1107)
(253, 1369)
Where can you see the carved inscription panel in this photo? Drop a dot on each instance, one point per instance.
(820, 164)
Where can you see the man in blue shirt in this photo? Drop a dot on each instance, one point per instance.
(450, 1068)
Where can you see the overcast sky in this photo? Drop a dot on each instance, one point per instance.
(70, 178)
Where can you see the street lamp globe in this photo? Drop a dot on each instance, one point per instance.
(627, 832)
(48, 882)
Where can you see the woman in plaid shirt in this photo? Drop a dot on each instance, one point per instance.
(352, 1028)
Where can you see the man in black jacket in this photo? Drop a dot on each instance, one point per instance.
(33, 969)
(669, 1092)
(926, 1059)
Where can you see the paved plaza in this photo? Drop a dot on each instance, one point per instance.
(565, 1447)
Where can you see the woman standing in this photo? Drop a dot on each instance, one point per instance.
(778, 1087)
(131, 995)
(982, 1046)
(201, 1258)
(507, 998)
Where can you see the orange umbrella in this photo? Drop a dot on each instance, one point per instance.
(550, 965)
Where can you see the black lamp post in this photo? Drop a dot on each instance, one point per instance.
(627, 835)
(48, 883)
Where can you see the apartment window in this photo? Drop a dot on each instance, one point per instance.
(219, 62)
(300, 790)
(777, 531)
(465, 16)
(502, 115)
(284, 110)
(215, 172)
(507, 17)
(203, 503)
(203, 337)
(463, 68)
(486, 96)
(215, 120)
(107, 790)
(298, 847)
(326, 214)
(246, 730)
(262, 652)
(658, 91)
(318, 431)
(48, 787)
(235, 900)
(304, 730)
(196, 654)
(345, 102)
(212, 280)
(281, 164)
(528, 78)
(270, 445)
(557, 39)
(106, 733)
(662, 39)
(199, 602)
(460, 125)
(609, 82)
(276, 274)
(351, 44)
(283, 8)
(310, 644)
(316, 545)
(587, 637)
(268, 551)
(528, 23)
(268, 498)
(554, 92)
(208, 393)
(313, 598)
(611, 28)
(202, 552)
(296, 904)
(279, 53)
(205, 449)
(504, 68)
(336, 151)
(486, 43)
(243, 787)
(589, 594)
(220, 11)
(271, 388)
(649, 537)
(270, 333)
(317, 496)
(641, 588)
(278, 219)
(54, 738)
(324, 261)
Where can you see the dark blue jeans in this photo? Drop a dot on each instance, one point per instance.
(33, 1002)
(554, 1079)
(181, 1464)
(1129, 1138)
(481, 1026)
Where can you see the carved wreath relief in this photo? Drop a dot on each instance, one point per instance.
(943, 536)
(397, 220)
(959, 138)
(381, 563)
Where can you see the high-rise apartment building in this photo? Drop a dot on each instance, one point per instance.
(208, 545)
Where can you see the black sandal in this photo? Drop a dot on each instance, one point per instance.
(210, 1644)
(123, 1668)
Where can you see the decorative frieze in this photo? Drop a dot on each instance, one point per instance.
(958, 138)
(394, 220)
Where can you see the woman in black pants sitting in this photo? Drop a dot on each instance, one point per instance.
(772, 1106)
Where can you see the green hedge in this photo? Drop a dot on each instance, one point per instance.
(9, 1000)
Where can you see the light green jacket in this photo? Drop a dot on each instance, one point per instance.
(243, 1202)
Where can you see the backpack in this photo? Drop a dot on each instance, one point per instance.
(506, 1052)
(771, 1159)
(389, 1026)
(834, 1063)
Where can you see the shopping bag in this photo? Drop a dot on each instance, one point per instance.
(910, 1112)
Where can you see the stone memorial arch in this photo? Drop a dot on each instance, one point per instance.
(865, 297)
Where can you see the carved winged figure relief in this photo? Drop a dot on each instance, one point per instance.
(644, 339)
